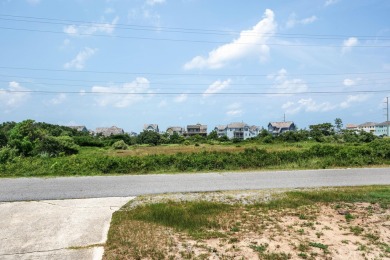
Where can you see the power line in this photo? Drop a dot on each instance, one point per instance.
(187, 74)
(197, 93)
(175, 29)
(254, 85)
(193, 41)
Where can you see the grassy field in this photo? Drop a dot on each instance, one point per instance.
(141, 159)
(351, 222)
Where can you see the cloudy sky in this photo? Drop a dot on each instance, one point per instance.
(179, 62)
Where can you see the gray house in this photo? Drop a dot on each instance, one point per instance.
(277, 128)
(108, 131)
(197, 129)
(175, 129)
(151, 127)
(80, 128)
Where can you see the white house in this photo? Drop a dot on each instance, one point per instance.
(237, 130)
(369, 127)
(381, 129)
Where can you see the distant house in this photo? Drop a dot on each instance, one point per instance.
(381, 128)
(237, 130)
(277, 128)
(108, 131)
(351, 127)
(221, 130)
(80, 128)
(151, 127)
(197, 129)
(369, 127)
(175, 129)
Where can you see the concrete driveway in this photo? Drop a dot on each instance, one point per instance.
(56, 229)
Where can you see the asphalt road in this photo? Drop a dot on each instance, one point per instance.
(26, 189)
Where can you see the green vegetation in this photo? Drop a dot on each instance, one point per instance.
(29, 148)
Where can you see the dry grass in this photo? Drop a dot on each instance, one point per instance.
(231, 148)
(319, 230)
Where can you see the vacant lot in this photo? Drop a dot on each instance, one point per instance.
(342, 223)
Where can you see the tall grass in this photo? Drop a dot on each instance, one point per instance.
(91, 162)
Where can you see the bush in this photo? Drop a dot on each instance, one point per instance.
(7, 154)
(120, 145)
(54, 146)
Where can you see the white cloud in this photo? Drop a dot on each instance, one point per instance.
(284, 85)
(123, 95)
(351, 82)
(349, 43)
(181, 98)
(234, 110)
(79, 61)
(59, 99)
(292, 21)
(154, 2)
(308, 105)
(330, 2)
(89, 29)
(12, 100)
(353, 99)
(250, 43)
(216, 87)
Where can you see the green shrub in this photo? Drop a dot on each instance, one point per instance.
(120, 145)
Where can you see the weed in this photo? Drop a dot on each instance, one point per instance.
(319, 245)
(349, 217)
(356, 230)
(260, 248)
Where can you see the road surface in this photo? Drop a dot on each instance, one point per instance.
(26, 189)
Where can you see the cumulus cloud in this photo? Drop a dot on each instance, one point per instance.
(250, 43)
(216, 87)
(79, 61)
(181, 98)
(330, 2)
(308, 105)
(123, 95)
(154, 2)
(13, 96)
(89, 29)
(353, 99)
(59, 99)
(284, 85)
(292, 21)
(234, 110)
(349, 43)
(350, 82)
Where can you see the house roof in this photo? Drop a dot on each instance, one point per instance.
(237, 125)
(281, 124)
(154, 126)
(366, 124)
(200, 126)
(349, 126)
(78, 128)
(386, 123)
(176, 128)
(220, 127)
(254, 128)
(107, 131)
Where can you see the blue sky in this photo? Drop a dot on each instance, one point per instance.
(173, 63)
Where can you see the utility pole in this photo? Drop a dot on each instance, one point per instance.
(387, 115)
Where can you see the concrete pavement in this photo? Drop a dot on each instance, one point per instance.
(56, 229)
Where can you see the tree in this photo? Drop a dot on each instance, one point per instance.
(149, 137)
(339, 124)
(320, 130)
(213, 135)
